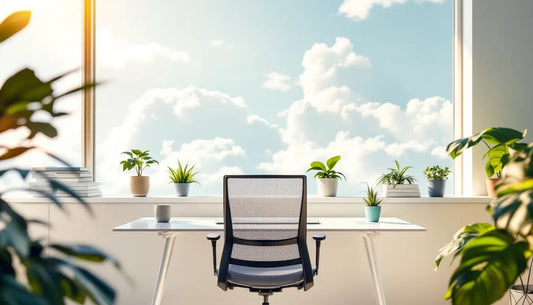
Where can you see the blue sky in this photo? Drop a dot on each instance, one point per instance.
(269, 86)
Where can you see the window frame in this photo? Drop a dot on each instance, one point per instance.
(461, 88)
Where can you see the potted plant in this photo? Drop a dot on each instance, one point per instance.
(436, 180)
(327, 177)
(498, 141)
(182, 177)
(372, 201)
(493, 256)
(138, 160)
(398, 184)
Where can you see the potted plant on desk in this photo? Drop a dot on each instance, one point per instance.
(138, 160)
(398, 184)
(372, 201)
(436, 180)
(327, 177)
(182, 177)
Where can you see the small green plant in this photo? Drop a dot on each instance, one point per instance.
(326, 172)
(137, 160)
(182, 174)
(372, 198)
(437, 173)
(396, 176)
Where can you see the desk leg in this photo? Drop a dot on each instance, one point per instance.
(165, 262)
(368, 237)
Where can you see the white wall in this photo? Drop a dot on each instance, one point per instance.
(406, 259)
(502, 68)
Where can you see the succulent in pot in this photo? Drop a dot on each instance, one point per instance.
(436, 180)
(182, 177)
(327, 177)
(138, 161)
(372, 201)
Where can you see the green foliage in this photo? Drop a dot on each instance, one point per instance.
(138, 160)
(182, 174)
(460, 239)
(490, 264)
(437, 173)
(326, 170)
(498, 154)
(396, 176)
(52, 271)
(494, 256)
(372, 198)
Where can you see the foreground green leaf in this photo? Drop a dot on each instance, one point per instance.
(490, 264)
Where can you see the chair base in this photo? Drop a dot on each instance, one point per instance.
(265, 295)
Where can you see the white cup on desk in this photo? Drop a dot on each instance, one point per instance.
(162, 212)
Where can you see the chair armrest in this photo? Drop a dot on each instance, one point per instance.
(319, 237)
(213, 237)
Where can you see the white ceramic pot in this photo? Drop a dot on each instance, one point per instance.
(327, 187)
(182, 189)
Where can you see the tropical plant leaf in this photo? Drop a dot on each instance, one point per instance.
(14, 293)
(85, 252)
(15, 152)
(460, 239)
(513, 212)
(13, 24)
(490, 264)
(318, 164)
(23, 86)
(332, 161)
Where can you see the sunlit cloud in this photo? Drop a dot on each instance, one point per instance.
(277, 82)
(221, 44)
(116, 52)
(360, 9)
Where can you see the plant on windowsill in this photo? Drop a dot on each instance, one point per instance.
(138, 160)
(494, 256)
(397, 183)
(32, 270)
(502, 139)
(327, 177)
(436, 180)
(182, 177)
(372, 201)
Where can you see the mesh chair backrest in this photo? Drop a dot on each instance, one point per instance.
(263, 218)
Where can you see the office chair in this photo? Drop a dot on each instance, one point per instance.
(265, 227)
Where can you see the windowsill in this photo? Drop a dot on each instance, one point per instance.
(217, 199)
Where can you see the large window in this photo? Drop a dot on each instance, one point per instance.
(50, 45)
(238, 86)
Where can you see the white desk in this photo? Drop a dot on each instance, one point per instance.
(187, 224)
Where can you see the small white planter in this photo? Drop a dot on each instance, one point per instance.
(182, 189)
(327, 187)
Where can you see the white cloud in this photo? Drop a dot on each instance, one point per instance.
(117, 53)
(221, 44)
(321, 64)
(277, 82)
(359, 9)
(398, 149)
(440, 152)
(422, 119)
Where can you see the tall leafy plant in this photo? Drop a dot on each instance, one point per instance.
(493, 256)
(497, 140)
(54, 277)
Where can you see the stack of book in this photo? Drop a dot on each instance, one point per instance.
(402, 190)
(77, 179)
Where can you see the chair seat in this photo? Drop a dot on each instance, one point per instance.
(259, 277)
